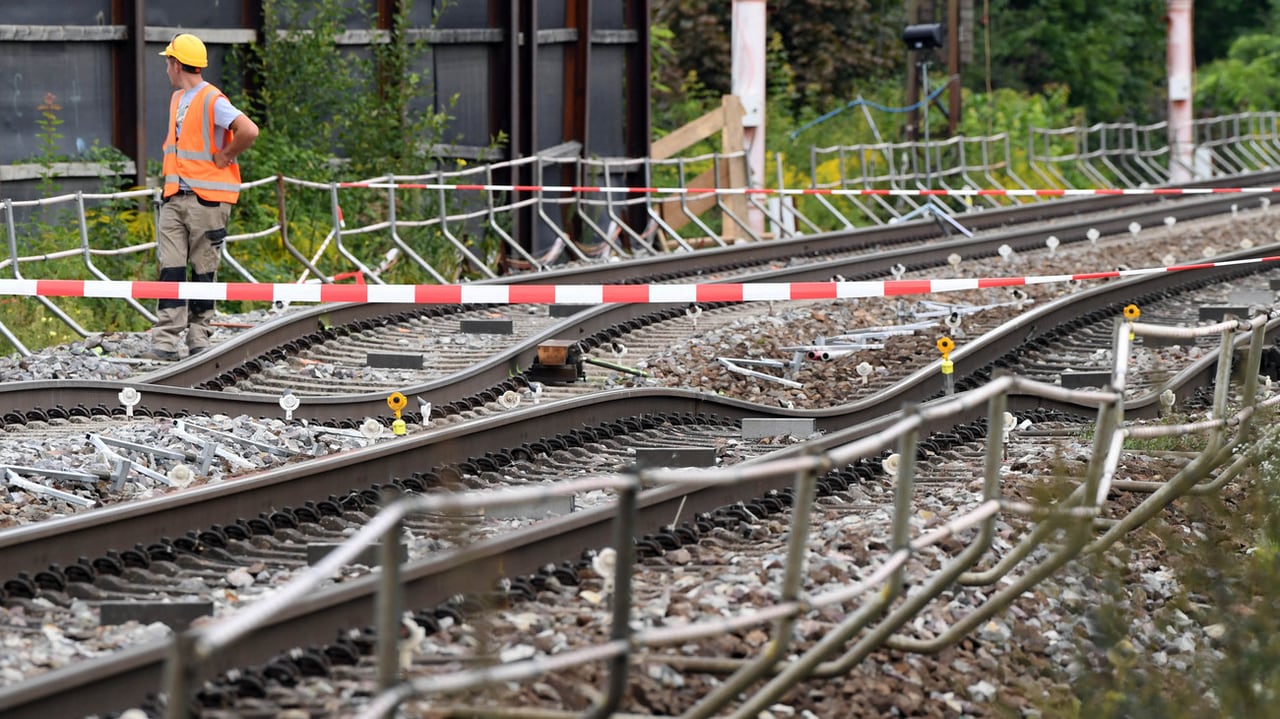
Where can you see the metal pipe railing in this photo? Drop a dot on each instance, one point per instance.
(17, 275)
(1121, 153)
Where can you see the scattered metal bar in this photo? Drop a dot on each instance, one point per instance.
(54, 473)
(273, 449)
(15, 481)
(732, 366)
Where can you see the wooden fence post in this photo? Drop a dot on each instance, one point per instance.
(732, 146)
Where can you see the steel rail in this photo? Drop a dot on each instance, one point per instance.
(113, 683)
(127, 678)
(125, 681)
(172, 385)
(704, 262)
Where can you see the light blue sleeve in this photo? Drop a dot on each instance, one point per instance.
(224, 113)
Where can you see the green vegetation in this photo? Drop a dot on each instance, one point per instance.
(53, 229)
(1220, 555)
(1108, 58)
(318, 101)
(799, 118)
(1248, 79)
(48, 139)
(1035, 63)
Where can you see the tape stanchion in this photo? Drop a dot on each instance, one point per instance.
(537, 294)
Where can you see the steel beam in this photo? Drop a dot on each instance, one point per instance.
(638, 116)
(128, 83)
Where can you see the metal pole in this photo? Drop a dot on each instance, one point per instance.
(180, 675)
(388, 609)
(749, 48)
(620, 625)
(924, 97)
(902, 490)
(1179, 59)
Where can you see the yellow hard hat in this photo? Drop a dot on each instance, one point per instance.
(188, 50)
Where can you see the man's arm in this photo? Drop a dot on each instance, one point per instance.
(244, 133)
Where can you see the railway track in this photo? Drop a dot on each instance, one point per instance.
(195, 386)
(493, 430)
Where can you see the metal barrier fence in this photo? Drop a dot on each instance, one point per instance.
(578, 211)
(883, 601)
(1105, 155)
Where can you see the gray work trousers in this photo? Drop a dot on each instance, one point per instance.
(182, 241)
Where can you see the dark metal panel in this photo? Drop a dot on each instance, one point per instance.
(454, 14)
(524, 110)
(606, 94)
(423, 12)
(76, 76)
(363, 15)
(463, 72)
(194, 14)
(608, 14)
(551, 14)
(525, 142)
(502, 71)
(550, 119)
(82, 12)
(639, 119)
(501, 85)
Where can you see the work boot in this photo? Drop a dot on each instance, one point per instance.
(160, 355)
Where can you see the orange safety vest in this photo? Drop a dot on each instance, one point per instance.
(191, 156)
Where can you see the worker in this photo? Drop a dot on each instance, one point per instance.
(201, 182)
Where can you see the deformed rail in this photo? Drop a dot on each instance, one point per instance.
(883, 598)
(106, 683)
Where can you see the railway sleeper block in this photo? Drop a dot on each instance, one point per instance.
(654, 457)
(370, 556)
(1085, 380)
(175, 615)
(393, 360)
(485, 326)
(764, 427)
(565, 310)
(1217, 313)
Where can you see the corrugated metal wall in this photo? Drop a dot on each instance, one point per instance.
(583, 82)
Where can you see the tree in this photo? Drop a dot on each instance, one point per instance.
(1219, 22)
(1111, 55)
(1247, 79)
(832, 48)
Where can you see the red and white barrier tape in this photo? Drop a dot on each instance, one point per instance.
(553, 294)
(868, 191)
